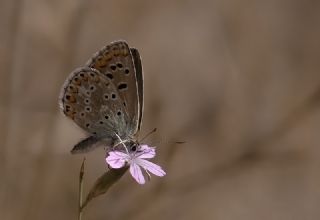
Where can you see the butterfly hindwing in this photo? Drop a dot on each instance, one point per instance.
(91, 100)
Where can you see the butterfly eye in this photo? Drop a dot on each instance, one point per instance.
(134, 148)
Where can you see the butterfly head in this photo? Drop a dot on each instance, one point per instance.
(126, 145)
(133, 146)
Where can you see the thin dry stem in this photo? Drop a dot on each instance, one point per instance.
(81, 189)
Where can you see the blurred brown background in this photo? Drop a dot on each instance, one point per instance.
(239, 81)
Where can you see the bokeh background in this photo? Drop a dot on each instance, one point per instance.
(239, 81)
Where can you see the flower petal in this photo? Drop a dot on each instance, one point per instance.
(116, 159)
(151, 167)
(136, 173)
(146, 152)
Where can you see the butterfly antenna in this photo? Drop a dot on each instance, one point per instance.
(147, 135)
(170, 142)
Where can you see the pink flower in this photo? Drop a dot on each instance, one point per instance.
(137, 160)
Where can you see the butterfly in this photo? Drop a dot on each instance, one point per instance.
(105, 98)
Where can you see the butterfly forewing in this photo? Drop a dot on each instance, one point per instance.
(92, 101)
(115, 61)
(139, 77)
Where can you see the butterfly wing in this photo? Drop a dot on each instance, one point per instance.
(116, 62)
(139, 77)
(92, 101)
